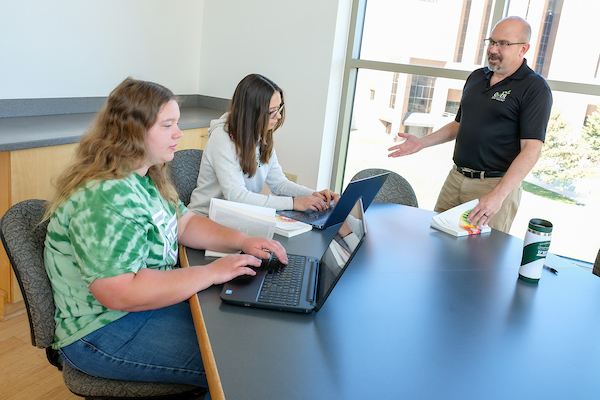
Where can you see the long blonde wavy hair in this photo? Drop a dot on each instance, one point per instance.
(115, 144)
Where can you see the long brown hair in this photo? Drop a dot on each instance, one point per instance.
(248, 120)
(115, 144)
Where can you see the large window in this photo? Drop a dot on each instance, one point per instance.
(424, 50)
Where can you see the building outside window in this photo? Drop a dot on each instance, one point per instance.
(394, 90)
(430, 70)
(549, 27)
(421, 94)
(453, 101)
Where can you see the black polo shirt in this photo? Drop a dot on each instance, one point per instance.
(494, 119)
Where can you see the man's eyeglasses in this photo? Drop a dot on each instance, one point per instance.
(273, 114)
(502, 45)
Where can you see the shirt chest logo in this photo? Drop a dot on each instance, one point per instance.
(168, 230)
(501, 96)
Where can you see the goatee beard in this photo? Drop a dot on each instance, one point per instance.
(494, 67)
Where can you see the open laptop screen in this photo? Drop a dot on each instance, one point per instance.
(340, 251)
(365, 189)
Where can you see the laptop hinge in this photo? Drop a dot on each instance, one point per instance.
(311, 292)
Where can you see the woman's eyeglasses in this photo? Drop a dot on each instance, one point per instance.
(273, 114)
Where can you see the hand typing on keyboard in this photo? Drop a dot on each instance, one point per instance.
(271, 262)
(227, 268)
(263, 248)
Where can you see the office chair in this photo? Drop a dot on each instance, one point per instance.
(23, 238)
(596, 270)
(396, 189)
(183, 170)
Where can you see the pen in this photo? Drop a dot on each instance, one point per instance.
(549, 268)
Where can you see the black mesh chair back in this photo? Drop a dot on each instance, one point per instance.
(396, 189)
(183, 171)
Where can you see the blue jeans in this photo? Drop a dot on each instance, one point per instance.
(151, 346)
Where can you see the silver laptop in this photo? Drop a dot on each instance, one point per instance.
(305, 283)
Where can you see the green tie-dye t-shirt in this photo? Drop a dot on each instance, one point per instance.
(105, 229)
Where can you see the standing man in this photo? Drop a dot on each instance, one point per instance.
(499, 129)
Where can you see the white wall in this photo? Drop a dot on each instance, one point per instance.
(74, 48)
(300, 45)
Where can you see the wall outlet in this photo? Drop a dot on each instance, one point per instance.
(291, 177)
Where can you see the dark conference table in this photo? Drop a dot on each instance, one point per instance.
(418, 314)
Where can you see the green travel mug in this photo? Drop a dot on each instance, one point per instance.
(535, 248)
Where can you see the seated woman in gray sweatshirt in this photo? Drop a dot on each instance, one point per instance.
(239, 157)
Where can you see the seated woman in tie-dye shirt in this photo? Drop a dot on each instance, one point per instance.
(115, 225)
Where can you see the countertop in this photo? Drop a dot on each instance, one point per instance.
(17, 133)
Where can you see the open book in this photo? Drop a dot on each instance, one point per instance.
(254, 221)
(289, 227)
(454, 221)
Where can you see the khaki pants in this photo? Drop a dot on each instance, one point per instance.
(459, 189)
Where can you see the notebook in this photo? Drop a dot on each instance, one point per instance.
(366, 189)
(315, 278)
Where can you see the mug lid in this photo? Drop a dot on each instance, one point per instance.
(540, 225)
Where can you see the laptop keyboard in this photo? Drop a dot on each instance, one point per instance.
(309, 216)
(317, 215)
(282, 283)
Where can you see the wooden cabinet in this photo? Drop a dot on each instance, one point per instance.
(193, 139)
(28, 174)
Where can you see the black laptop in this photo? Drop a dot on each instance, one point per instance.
(366, 189)
(304, 283)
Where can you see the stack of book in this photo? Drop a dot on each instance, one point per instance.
(289, 227)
